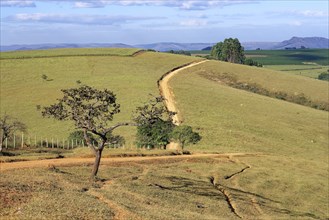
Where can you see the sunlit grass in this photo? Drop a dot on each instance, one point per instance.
(131, 78)
(307, 70)
(25, 54)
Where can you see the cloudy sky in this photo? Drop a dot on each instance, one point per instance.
(149, 21)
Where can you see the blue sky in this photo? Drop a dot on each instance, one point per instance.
(149, 21)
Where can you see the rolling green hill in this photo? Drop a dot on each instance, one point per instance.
(293, 138)
(131, 78)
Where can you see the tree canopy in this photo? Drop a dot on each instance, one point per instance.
(91, 110)
(230, 51)
(154, 124)
(8, 126)
(185, 135)
(155, 127)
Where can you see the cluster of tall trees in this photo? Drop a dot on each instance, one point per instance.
(231, 50)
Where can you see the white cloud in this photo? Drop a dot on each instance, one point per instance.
(310, 13)
(82, 19)
(181, 4)
(296, 23)
(193, 23)
(14, 3)
(302, 13)
(88, 4)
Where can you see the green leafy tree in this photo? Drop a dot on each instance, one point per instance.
(9, 126)
(154, 124)
(154, 135)
(185, 135)
(230, 51)
(91, 110)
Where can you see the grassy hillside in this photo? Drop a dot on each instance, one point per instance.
(272, 81)
(68, 52)
(131, 78)
(231, 119)
(294, 138)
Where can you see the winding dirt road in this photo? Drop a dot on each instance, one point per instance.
(168, 94)
(104, 161)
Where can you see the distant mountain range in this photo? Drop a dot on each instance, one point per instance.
(57, 46)
(308, 42)
(295, 42)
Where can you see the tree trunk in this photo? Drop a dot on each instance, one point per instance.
(1, 143)
(98, 156)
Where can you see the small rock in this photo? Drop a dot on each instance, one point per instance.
(200, 205)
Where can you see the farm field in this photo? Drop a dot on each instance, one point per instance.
(308, 70)
(259, 157)
(290, 57)
(308, 62)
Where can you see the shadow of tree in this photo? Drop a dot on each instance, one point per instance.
(207, 189)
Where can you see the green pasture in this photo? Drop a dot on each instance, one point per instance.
(131, 78)
(68, 52)
(290, 57)
(200, 52)
(235, 120)
(308, 70)
(274, 81)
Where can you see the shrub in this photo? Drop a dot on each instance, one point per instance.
(154, 135)
(251, 62)
(324, 76)
(185, 135)
(44, 77)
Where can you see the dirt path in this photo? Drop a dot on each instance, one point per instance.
(168, 94)
(104, 161)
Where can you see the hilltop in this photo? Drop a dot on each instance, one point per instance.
(307, 42)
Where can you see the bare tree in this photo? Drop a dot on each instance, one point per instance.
(8, 126)
(91, 110)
